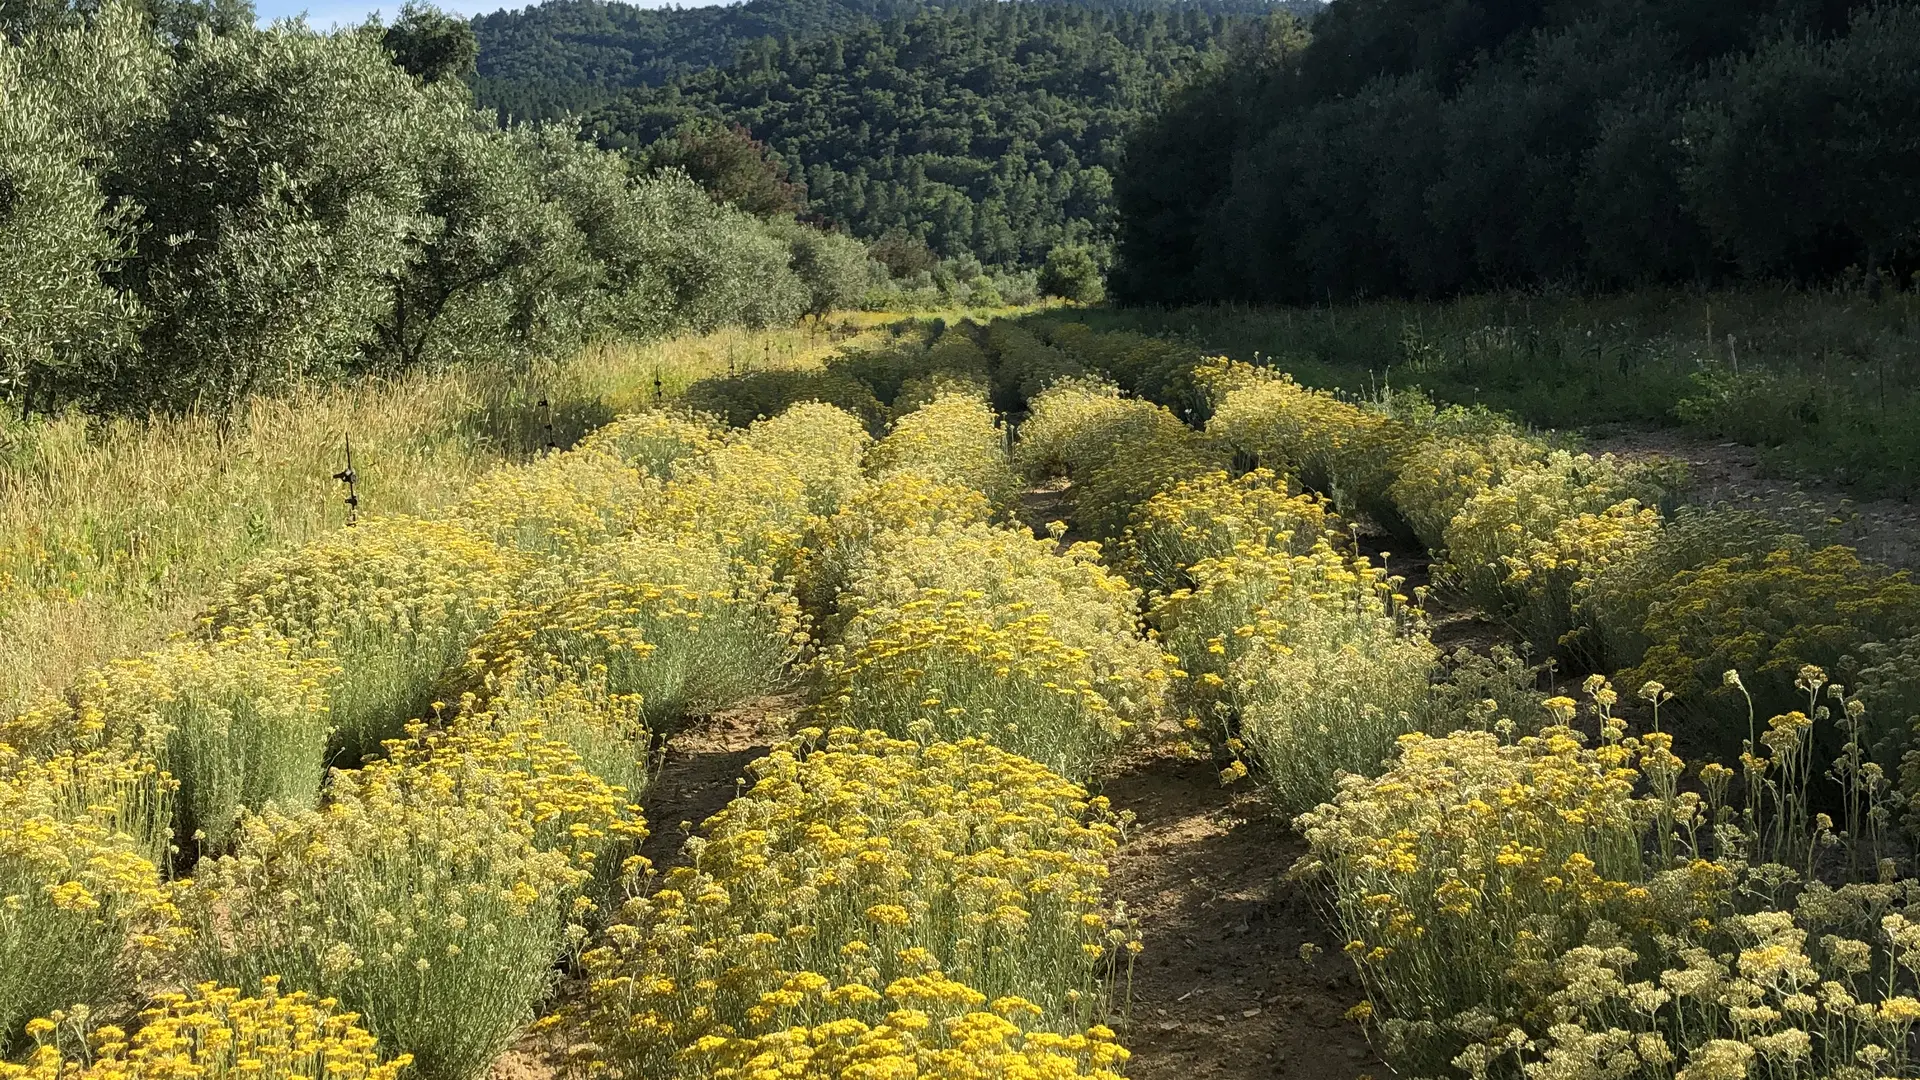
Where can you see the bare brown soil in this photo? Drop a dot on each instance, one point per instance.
(1886, 530)
(1222, 989)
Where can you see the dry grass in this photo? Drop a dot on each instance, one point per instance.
(112, 532)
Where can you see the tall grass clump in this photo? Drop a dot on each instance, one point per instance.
(391, 602)
(872, 904)
(431, 893)
(87, 912)
(214, 1033)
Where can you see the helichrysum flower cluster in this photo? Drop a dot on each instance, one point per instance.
(984, 630)
(676, 625)
(660, 443)
(85, 909)
(1210, 516)
(431, 893)
(953, 440)
(1330, 445)
(392, 602)
(237, 722)
(212, 1033)
(906, 906)
(1436, 477)
(1076, 429)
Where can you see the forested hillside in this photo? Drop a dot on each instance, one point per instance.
(1419, 148)
(571, 55)
(983, 129)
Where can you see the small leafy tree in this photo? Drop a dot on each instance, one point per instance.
(1072, 274)
(63, 91)
(430, 44)
(833, 267)
(730, 164)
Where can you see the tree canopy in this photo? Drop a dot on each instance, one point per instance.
(1426, 148)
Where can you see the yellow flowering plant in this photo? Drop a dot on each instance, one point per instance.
(1024, 366)
(764, 495)
(677, 626)
(559, 504)
(1153, 368)
(742, 399)
(1257, 598)
(1617, 598)
(1209, 516)
(662, 443)
(432, 893)
(952, 440)
(1504, 527)
(1073, 431)
(984, 630)
(1547, 578)
(1334, 447)
(895, 506)
(1437, 476)
(867, 896)
(391, 602)
(236, 722)
(85, 908)
(211, 1033)
(1329, 700)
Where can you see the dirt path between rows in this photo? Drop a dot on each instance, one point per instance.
(1222, 989)
(1886, 530)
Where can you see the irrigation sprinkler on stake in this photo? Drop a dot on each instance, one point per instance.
(546, 422)
(659, 392)
(350, 478)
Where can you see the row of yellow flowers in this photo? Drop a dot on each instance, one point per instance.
(1547, 894)
(488, 684)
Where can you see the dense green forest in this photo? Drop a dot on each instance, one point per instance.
(571, 55)
(980, 129)
(193, 210)
(1417, 148)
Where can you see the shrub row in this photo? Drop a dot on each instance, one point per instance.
(1547, 894)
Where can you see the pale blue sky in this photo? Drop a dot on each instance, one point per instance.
(326, 13)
